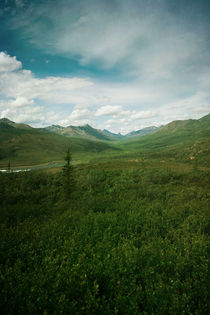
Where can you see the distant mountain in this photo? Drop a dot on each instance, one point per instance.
(89, 132)
(85, 131)
(25, 145)
(4, 122)
(54, 128)
(142, 132)
(113, 135)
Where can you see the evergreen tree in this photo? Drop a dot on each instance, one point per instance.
(67, 174)
(9, 167)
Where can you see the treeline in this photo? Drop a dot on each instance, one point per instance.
(123, 242)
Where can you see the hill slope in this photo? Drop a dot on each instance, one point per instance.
(183, 140)
(6, 123)
(142, 132)
(26, 145)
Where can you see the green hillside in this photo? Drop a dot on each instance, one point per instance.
(28, 146)
(6, 123)
(142, 132)
(183, 140)
(178, 141)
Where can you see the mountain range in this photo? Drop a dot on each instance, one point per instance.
(181, 139)
(25, 145)
(89, 132)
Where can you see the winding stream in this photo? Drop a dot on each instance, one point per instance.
(26, 169)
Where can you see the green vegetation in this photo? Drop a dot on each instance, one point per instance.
(126, 232)
(35, 146)
(179, 141)
(131, 239)
(68, 178)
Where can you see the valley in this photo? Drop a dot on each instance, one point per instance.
(129, 235)
(179, 141)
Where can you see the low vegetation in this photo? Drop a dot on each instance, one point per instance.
(127, 232)
(130, 239)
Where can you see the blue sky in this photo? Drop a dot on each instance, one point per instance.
(120, 65)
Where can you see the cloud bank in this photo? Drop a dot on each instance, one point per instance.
(149, 39)
(8, 63)
(42, 101)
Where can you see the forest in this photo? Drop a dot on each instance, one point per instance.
(129, 237)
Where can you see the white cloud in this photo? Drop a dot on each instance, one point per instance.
(141, 38)
(117, 112)
(79, 114)
(132, 121)
(78, 117)
(122, 125)
(32, 115)
(68, 122)
(23, 85)
(21, 102)
(193, 106)
(77, 101)
(143, 115)
(8, 63)
(109, 110)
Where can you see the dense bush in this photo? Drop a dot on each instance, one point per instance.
(125, 242)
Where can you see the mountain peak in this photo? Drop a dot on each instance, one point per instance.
(86, 125)
(6, 120)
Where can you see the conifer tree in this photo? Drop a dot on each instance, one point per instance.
(67, 174)
(9, 167)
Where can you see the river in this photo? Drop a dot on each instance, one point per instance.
(31, 168)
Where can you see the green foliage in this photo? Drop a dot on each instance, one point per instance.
(68, 179)
(129, 240)
(28, 194)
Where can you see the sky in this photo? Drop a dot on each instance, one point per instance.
(120, 65)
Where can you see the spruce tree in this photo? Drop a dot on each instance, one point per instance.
(67, 174)
(9, 167)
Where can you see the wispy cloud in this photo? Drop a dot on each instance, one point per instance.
(109, 110)
(145, 39)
